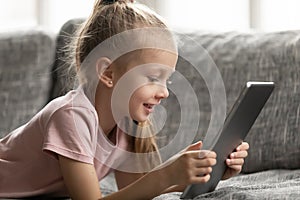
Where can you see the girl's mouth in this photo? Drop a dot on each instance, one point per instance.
(149, 107)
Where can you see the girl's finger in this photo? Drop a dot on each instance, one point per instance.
(202, 171)
(231, 162)
(200, 179)
(206, 154)
(208, 162)
(195, 146)
(201, 154)
(243, 146)
(239, 154)
(237, 168)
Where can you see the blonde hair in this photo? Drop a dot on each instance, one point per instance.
(107, 20)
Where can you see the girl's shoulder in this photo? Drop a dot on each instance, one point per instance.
(74, 101)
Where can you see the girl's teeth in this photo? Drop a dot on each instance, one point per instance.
(148, 105)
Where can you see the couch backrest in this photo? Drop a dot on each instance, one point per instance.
(26, 58)
(240, 57)
(62, 73)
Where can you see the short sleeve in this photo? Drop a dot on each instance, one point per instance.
(71, 132)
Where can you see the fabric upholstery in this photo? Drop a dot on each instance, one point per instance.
(63, 74)
(26, 58)
(242, 57)
(272, 184)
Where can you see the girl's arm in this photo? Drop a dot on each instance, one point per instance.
(124, 178)
(182, 169)
(82, 183)
(80, 178)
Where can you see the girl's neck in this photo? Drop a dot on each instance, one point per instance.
(103, 108)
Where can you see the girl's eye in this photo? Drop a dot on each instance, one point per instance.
(152, 79)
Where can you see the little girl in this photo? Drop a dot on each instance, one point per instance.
(76, 140)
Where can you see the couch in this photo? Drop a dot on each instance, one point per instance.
(33, 71)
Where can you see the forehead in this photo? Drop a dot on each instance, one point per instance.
(154, 56)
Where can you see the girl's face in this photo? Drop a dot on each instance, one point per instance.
(157, 68)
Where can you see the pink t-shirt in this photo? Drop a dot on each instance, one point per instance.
(67, 126)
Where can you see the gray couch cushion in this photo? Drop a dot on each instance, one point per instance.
(62, 74)
(26, 58)
(272, 184)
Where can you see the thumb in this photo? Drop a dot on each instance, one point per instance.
(196, 146)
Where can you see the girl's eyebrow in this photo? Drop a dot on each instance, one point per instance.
(163, 72)
(163, 69)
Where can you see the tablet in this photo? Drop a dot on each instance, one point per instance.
(236, 126)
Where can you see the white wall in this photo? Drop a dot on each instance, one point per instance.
(54, 13)
(219, 15)
(17, 14)
(280, 15)
(207, 14)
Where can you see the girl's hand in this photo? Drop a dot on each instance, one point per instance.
(190, 166)
(236, 160)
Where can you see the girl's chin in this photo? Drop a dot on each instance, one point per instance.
(140, 120)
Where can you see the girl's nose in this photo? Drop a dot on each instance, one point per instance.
(162, 92)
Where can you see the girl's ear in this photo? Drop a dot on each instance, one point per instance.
(104, 71)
